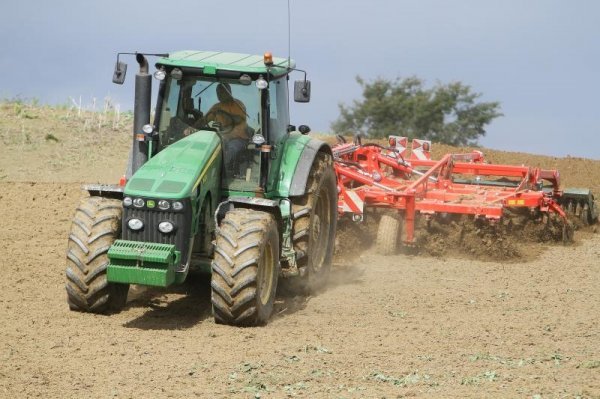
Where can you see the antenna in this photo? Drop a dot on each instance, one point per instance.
(289, 57)
(289, 37)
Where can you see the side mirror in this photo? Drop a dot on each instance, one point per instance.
(119, 73)
(302, 91)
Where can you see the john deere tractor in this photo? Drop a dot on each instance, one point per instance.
(219, 181)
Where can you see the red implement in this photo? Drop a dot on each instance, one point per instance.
(374, 176)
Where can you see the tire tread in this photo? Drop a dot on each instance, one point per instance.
(95, 226)
(238, 245)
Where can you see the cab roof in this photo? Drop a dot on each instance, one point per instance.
(216, 60)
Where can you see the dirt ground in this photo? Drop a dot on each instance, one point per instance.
(386, 327)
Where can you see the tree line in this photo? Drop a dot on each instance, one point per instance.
(447, 113)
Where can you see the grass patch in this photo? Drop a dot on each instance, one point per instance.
(315, 348)
(402, 381)
(397, 314)
(51, 137)
(487, 376)
(507, 361)
(590, 364)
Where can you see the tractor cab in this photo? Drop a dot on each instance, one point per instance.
(249, 111)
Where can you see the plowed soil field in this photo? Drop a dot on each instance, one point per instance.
(386, 327)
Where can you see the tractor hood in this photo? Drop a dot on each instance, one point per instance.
(176, 171)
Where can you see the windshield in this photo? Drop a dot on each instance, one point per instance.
(194, 103)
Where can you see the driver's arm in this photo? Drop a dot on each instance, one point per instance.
(211, 115)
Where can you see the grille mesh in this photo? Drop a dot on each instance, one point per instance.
(150, 233)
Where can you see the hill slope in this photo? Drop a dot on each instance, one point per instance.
(62, 145)
(46, 144)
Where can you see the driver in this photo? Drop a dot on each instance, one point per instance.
(230, 114)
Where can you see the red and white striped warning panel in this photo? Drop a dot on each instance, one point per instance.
(352, 203)
(400, 143)
(421, 149)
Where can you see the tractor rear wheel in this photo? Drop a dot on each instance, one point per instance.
(315, 223)
(388, 234)
(245, 268)
(96, 225)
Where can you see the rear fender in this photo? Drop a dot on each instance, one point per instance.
(297, 159)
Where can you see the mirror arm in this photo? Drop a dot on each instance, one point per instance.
(299, 70)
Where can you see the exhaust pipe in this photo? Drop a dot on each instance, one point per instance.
(143, 63)
(141, 115)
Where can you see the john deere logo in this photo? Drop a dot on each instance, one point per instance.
(150, 204)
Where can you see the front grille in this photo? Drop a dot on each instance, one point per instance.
(182, 221)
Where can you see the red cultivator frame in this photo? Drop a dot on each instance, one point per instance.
(371, 175)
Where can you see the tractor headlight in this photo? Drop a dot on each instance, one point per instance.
(261, 83)
(166, 227)
(127, 201)
(138, 203)
(160, 74)
(135, 224)
(163, 205)
(177, 205)
(148, 129)
(258, 139)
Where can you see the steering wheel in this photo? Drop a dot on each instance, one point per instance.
(194, 115)
(227, 124)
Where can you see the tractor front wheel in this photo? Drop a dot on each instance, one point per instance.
(96, 225)
(245, 268)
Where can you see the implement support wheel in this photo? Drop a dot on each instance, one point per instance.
(388, 233)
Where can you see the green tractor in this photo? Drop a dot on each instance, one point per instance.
(220, 181)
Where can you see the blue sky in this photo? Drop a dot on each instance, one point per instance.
(540, 59)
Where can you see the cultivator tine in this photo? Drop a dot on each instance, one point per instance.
(567, 232)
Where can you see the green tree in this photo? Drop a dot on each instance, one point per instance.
(446, 113)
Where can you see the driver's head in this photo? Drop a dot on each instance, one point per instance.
(224, 92)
